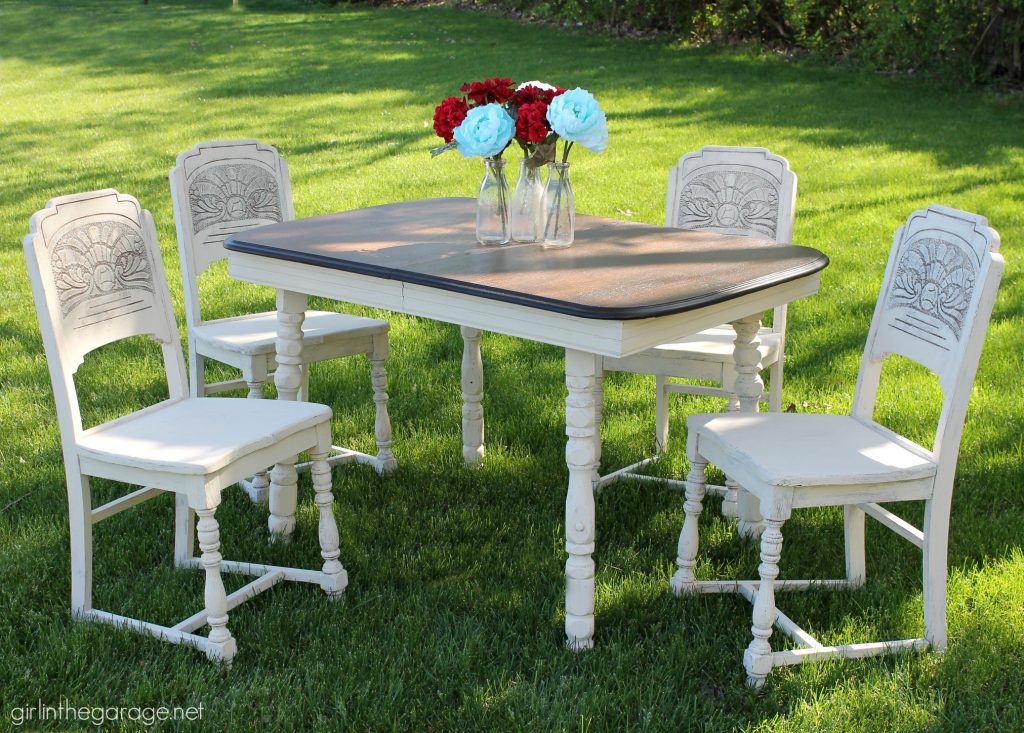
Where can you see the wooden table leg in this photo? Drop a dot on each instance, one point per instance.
(472, 397)
(291, 312)
(580, 456)
(749, 387)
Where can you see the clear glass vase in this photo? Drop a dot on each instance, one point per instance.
(492, 205)
(527, 216)
(559, 208)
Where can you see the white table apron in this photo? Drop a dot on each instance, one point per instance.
(585, 340)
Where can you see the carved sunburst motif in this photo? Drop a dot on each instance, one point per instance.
(97, 259)
(732, 200)
(233, 192)
(935, 278)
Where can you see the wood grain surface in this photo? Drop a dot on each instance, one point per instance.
(615, 270)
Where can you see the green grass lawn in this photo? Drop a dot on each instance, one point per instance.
(453, 618)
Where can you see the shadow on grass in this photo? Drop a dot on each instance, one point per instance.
(411, 52)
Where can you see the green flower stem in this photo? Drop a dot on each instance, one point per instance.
(561, 180)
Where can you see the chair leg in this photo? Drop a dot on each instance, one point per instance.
(660, 413)
(598, 416)
(304, 384)
(216, 598)
(257, 487)
(729, 385)
(757, 659)
(936, 545)
(731, 498)
(775, 393)
(184, 531)
(853, 529)
(382, 421)
(283, 499)
(750, 524)
(335, 578)
(684, 579)
(197, 373)
(255, 388)
(80, 520)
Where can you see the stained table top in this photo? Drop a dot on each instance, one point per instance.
(614, 270)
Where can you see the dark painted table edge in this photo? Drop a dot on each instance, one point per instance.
(535, 301)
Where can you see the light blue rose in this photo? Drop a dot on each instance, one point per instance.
(485, 131)
(577, 117)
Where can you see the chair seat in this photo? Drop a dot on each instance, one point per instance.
(716, 344)
(798, 450)
(198, 436)
(256, 334)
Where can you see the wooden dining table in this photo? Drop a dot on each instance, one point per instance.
(621, 288)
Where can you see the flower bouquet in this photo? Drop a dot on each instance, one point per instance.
(485, 121)
(478, 123)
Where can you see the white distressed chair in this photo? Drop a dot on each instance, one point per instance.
(728, 190)
(97, 277)
(223, 187)
(934, 308)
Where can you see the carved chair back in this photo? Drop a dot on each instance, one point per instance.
(97, 277)
(934, 308)
(219, 188)
(733, 190)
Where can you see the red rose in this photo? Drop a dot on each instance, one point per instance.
(532, 122)
(531, 94)
(489, 90)
(448, 115)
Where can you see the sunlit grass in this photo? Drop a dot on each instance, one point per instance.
(453, 617)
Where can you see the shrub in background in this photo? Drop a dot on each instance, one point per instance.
(977, 41)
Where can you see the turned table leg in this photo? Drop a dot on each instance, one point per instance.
(581, 458)
(472, 397)
(748, 388)
(291, 312)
